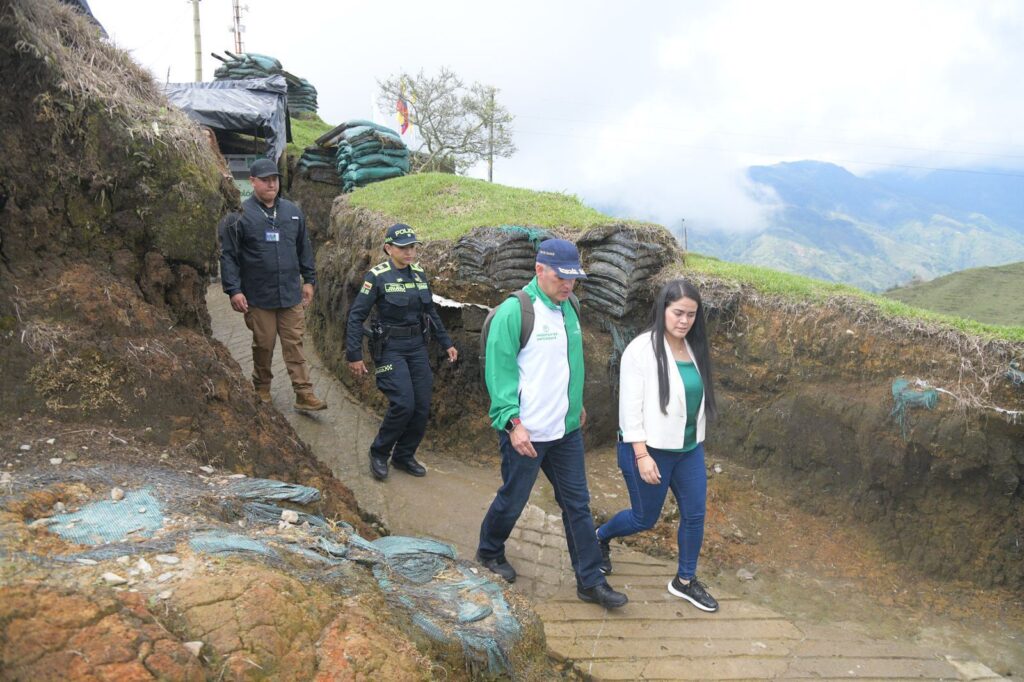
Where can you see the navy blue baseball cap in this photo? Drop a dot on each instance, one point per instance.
(561, 255)
(401, 234)
(263, 168)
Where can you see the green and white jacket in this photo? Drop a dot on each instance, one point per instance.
(543, 383)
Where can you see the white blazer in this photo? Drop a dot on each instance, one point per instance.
(640, 415)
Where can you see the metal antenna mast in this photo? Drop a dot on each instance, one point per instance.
(236, 24)
(197, 39)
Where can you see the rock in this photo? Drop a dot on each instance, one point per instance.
(167, 559)
(71, 457)
(123, 560)
(56, 460)
(237, 476)
(207, 469)
(59, 508)
(86, 562)
(166, 594)
(290, 516)
(164, 577)
(51, 441)
(142, 510)
(25, 448)
(194, 647)
(718, 468)
(144, 566)
(744, 574)
(116, 494)
(114, 579)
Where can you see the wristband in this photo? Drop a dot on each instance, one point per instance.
(512, 424)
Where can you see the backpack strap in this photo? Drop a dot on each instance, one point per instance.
(526, 308)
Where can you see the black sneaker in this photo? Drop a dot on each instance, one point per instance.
(606, 554)
(694, 592)
(499, 566)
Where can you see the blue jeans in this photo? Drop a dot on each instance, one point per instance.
(685, 474)
(562, 462)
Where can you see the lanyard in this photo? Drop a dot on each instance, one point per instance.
(271, 217)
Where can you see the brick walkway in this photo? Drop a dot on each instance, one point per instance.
(655, 637)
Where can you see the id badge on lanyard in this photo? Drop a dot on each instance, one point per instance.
(272, 234)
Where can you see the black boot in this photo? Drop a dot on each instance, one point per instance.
(378, 467)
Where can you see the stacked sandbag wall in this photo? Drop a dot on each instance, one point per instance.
(301, 93)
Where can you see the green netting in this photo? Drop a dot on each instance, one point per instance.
(907, 398)
(139, 514)
(219, 542)
(266, 489)
(442, 595)
(535, 234)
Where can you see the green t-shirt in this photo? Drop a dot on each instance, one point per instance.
(694, 388)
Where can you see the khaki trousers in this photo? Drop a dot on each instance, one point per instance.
(266, 325)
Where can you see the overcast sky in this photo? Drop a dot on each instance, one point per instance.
(654, 109)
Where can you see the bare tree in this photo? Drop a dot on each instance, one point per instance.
(458, 126)
(497, 123)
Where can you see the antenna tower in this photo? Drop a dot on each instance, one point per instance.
(236, 25)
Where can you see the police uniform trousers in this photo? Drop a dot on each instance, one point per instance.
(403, 375)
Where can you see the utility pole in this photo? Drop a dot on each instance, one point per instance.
(198, 40)
(236, 25)
(490, 141)
(682, 224)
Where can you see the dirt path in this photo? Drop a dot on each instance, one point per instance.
(655, 636)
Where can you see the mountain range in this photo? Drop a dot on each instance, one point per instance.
(878, 231)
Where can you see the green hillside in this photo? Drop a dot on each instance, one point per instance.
(992, 295)
(443, 206)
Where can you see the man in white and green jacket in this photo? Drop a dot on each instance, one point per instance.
(537, 407)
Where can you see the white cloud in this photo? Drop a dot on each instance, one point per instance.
(656, 106)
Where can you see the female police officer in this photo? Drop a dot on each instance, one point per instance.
(405, 313)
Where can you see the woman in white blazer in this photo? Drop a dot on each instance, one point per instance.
(665, 395)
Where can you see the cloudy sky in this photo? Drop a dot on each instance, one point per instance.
(653, 109)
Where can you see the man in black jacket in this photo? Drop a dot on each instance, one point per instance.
(267, 269)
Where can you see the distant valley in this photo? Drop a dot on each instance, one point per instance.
(880, 231)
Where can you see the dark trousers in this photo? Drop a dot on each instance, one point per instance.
(685, 474)
(404, 376)
(562, 462)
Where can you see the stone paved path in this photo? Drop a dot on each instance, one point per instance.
(655, 637)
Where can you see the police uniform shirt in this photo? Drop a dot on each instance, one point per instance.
(402, 296)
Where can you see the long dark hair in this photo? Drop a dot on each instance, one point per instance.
(697, 338)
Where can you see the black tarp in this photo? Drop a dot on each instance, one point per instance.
(258, 105)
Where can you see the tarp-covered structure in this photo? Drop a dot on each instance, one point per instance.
(256, 106)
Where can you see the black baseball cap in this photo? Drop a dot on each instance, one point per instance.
(263, 168)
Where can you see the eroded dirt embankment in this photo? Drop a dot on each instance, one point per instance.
(108, 205)
(806, 392)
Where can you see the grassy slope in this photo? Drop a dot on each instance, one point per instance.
(442, 206)
(304, 133)
(993, 295)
